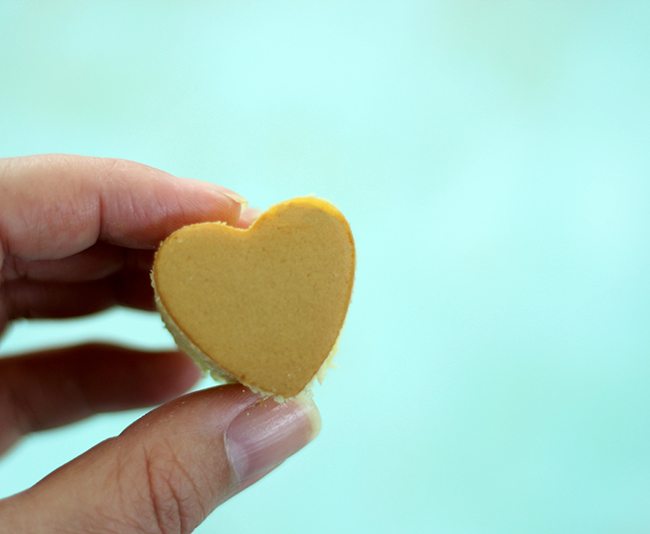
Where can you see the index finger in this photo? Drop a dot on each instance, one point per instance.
(57, 205)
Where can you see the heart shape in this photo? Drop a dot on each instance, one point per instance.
(262, 306)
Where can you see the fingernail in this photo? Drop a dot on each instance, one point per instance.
(252, 213)
(234, 196)
(267, 433)
(248, 217)
(219, 189)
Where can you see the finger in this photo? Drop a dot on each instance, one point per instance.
(167, 471)
(26, 299)
(247, 217)
(56, 206)
(94, 263)
(55, 387)
(133, 289)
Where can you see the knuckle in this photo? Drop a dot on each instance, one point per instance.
(171, 495)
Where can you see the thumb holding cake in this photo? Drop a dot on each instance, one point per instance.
(170, 469)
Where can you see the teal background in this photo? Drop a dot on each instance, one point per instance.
(493, 159)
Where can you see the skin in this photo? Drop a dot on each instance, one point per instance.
(77, 236)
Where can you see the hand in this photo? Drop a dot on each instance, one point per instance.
(77, 236)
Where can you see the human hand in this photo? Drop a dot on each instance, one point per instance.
(77, 236)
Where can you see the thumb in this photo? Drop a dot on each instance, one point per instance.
(170, 469)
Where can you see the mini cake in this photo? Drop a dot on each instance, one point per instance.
(262, 306)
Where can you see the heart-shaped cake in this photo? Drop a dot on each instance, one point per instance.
(262, 306)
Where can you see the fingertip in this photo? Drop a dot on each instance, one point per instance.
(248, 217)
(266, 434)
(216, 202)
(243, 203)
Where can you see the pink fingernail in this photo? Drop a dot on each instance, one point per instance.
(267, 433)
(234, 196)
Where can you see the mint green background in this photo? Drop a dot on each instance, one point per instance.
(494, 161)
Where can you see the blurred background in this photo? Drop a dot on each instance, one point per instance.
(493, 159)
